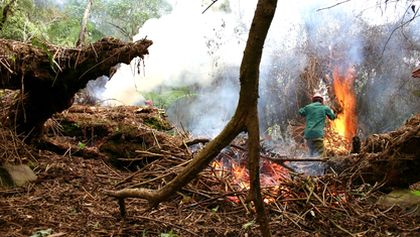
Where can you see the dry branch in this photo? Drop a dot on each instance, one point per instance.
(391, 159)
(416, 72)
(244, 119)
(210, 205)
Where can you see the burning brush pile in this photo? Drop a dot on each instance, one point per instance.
(341, 202)
(343, 130)
(87, 150)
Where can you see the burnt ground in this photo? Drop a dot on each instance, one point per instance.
(75, 167)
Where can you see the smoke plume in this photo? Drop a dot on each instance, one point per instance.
(204, 51)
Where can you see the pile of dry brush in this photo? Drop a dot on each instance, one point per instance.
(86, 150)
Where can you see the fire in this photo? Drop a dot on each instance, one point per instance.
(236, 173)
(346, 122)
(232, 173)
(271, 174)
(240, 176)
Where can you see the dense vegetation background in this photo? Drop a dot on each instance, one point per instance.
(58, 22)
(387, 53)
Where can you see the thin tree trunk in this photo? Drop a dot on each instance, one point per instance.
(83, 26)
(254, 172)
(244, 119)
(249, 89)
(6, 11)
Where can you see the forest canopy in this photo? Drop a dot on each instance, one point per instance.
(58, 22)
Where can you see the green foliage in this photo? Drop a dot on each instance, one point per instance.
(123, 18)
(169, 234)
(248, 225)
(81, 145)
(166, 97)
(64, 28)
(214, 210)
(19, 25)
(60, 25)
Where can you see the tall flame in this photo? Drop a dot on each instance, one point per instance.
(346, 123)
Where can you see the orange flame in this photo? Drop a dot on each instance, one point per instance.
(271, 176)
(346, 122)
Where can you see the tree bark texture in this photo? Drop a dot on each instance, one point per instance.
(49, 76)
(83, 24)
(249, 78)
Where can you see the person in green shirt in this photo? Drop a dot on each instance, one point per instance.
(315, 114)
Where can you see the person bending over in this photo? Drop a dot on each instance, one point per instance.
(315, 114)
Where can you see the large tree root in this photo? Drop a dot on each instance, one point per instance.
(49, 76)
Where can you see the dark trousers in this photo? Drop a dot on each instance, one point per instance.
(316, 146)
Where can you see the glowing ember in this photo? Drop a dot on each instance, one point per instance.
(240, 176)
(271, 176)
(346, 123)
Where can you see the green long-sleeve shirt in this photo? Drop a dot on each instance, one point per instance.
(315, 114)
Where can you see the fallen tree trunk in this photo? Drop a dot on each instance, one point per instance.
(49, 76)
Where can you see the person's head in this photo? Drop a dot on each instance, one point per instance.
(318, 98)
(148, 103)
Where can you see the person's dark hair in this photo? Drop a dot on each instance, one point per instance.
(317, 99)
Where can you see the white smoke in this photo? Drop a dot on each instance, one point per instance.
(192, 48)
(188, 47)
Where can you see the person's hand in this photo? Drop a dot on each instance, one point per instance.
(337, 110)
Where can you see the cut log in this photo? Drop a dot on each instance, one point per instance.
(49, 76)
